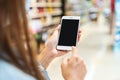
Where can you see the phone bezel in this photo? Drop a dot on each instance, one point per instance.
(59, 47)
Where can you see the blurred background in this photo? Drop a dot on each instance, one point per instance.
(100, 40)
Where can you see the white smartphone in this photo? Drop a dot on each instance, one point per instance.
(68, 32)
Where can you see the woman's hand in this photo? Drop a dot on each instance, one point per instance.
(52, 43)
(50, 52)
(73, 68)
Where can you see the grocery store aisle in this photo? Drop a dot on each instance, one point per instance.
(94, 47)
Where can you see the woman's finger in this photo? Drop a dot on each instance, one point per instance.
(58, 28)
(79, 35)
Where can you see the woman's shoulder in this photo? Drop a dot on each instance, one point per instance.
(10, 72)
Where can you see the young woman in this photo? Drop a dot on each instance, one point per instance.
(18, 54)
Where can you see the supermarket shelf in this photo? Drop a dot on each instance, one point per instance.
(39, 15)
(44, 4)
(79, 8)
(49, 26)
(53, 23)
(48, 12)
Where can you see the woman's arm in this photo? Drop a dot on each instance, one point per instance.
(50, 52)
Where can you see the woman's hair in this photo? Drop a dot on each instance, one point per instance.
(15, 40)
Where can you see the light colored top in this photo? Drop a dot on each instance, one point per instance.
(10, 72)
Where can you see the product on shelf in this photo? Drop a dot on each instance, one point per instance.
(44, 15)
(46, 10)
(79, 8)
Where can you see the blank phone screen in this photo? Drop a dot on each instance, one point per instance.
(68, 33)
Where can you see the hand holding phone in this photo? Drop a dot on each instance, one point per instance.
(68, 32)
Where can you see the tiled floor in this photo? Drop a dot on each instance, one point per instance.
(95, 48)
